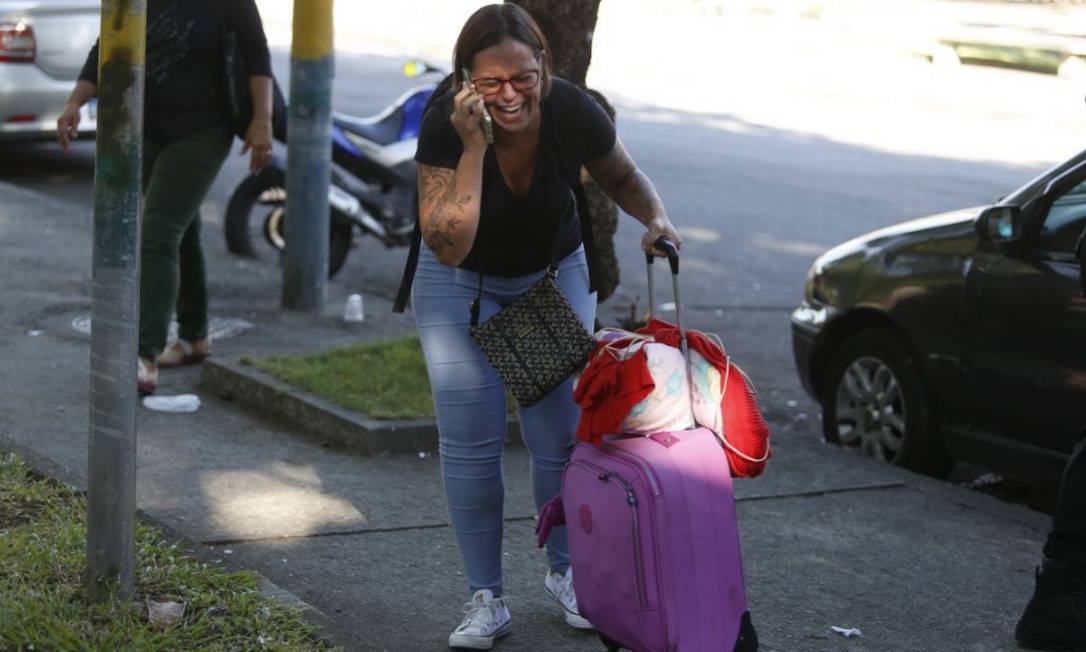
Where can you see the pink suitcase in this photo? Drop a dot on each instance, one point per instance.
(653, 539)
(654, 547)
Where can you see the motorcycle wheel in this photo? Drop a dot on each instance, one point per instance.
(257, 212)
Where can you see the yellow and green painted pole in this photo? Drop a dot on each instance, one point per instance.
(309, 153)
(111, 459)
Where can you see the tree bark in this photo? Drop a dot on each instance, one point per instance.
(569, 26)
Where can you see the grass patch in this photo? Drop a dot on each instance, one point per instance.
(42, 598)
(386, 380)
(383, 381)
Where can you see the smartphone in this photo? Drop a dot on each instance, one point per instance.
(487, 121)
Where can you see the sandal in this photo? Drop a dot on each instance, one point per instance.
(146, 376)
(182, 352)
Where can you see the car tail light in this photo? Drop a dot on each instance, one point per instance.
(16, 42)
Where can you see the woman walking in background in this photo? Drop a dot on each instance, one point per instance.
(186, 139)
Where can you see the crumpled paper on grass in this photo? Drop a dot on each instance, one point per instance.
(162, 615)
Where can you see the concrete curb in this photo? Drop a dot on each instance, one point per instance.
(319, 419)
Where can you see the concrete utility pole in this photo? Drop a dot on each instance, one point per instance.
(309, 153)
(111, 459)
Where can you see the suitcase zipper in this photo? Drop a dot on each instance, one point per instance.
(631, 500)
(633, 459)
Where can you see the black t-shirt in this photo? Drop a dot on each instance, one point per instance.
(184, 63)
(517, 232)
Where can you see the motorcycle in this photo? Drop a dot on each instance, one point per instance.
(373, 182)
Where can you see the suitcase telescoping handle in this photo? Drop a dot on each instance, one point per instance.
(669, 248)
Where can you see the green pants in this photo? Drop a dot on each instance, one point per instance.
(176, 178)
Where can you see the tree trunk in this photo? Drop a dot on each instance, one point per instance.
(568, 26)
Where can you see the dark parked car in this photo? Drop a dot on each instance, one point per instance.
(960, 336)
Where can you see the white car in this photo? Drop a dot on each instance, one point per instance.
(43, 44)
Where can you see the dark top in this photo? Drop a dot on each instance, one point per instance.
(184, 65)
(517, 232)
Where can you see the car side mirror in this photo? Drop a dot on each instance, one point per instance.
(999, 223)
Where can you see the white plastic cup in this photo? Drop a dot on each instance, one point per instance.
(353, 310)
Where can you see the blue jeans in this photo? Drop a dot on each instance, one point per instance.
(469, 402)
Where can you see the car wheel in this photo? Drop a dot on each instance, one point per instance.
(875, 400)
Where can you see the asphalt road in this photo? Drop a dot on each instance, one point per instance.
(755, 203)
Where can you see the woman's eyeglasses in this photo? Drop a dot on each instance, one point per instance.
(522, 81)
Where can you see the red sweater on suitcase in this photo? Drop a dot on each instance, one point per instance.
(609, 388)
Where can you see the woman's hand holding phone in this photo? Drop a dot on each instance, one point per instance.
(470, 118)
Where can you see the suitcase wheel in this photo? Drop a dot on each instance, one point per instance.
(748, 637)
(747, 641)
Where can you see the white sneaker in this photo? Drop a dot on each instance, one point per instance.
(560, 587)
(485, 619)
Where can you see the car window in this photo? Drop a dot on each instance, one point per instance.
(1064, 223)
(1033, 189)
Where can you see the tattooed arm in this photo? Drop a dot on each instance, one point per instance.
(449, 200)
(623, 182)
(449, 208)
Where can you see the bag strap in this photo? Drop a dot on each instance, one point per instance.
(552, 272)
(552, 257)
(409, 270)
(416, 237)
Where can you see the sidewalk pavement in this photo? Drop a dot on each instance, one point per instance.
(829, 539)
